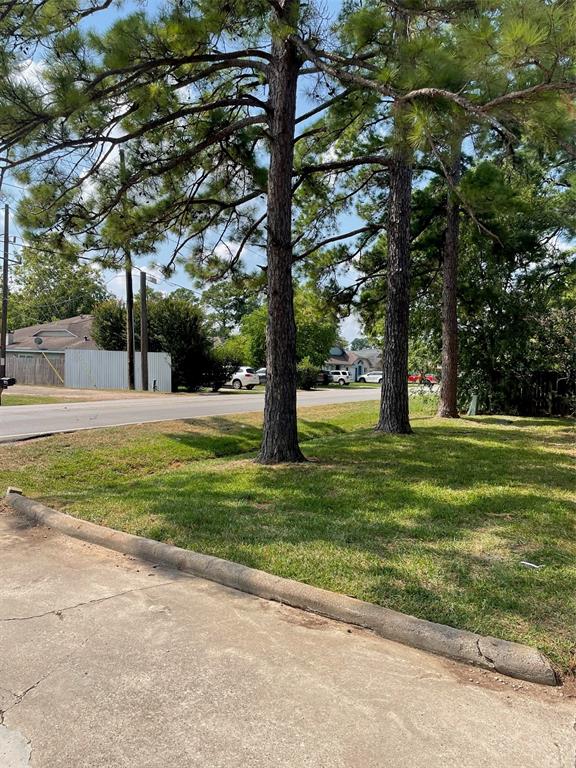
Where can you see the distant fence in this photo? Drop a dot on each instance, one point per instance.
(536, 393)
(547, 394)
(100, 369)
(35, 368)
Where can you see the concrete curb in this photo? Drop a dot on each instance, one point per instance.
(25, 438)
(512, 659)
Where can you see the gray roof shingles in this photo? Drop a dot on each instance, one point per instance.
(75, 329)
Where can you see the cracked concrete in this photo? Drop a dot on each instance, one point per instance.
(15, 749)
(60, 611)
(109, 662)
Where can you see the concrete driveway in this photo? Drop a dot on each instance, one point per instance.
(108, 662)
(23, 421)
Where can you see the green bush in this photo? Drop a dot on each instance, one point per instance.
(220, 369)
(307, 374)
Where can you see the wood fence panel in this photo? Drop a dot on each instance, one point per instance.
(36, 369)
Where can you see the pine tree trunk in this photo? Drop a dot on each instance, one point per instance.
(448, 408)
(394, 401)
(280, 435)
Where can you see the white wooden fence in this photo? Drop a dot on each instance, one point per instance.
(100, 369)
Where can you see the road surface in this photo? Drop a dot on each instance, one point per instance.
(109, 662)
(24, 421)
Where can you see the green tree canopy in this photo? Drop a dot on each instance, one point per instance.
(48, 285)
(316, 332)
(109, 327)
(360, 342)
(227, 302)
(176, 325)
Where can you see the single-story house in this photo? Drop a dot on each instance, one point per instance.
(372, 356)
(356, 363)
(63, 353)
(35, 355)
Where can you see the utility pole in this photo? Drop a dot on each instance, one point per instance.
(144, 330)
(129, 293)
(4, 329)
(129, 319)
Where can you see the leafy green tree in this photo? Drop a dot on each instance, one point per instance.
(316, 332)
(423, 354)
(236, 348)
(109, 326)
(175, 325)
(220, 369)
(307, 374)
(227, 302)
(511, 280)
(316, 328)
(253, 334)
(516, 321)
(361, 342)
(50, 285)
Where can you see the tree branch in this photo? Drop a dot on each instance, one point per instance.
(342, 165)
(372, 228)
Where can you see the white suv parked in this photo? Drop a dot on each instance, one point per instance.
(244, 377)
(341, 377)
(374, 377)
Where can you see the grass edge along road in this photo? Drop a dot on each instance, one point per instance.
(435, 524)
(8, 400)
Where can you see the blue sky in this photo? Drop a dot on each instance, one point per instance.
(350, 327)
(103, 19)
(115, 282)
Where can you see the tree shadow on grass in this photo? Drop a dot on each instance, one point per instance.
(309, 430)
(228, 437)
(434, 524)
(526, 423)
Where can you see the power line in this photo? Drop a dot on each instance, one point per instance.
(51, 252)
(14, 186)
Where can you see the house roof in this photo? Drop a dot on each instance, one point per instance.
(346, 358)
(70, 333)
(369, 353)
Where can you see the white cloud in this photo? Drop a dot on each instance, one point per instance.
(117, 286)
(116, 283)
(30, 72)
(351, 327)
(330, 155)
(226, 249)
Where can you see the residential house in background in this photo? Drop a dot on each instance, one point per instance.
(371, 357)
(356, 363)
(63, 353)
(35, 355)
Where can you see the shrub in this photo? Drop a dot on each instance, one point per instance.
(220, 368)
(307, 374)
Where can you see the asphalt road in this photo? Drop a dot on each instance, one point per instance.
(24, 421)
(109, 662)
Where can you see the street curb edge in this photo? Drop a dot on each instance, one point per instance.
(513, 659)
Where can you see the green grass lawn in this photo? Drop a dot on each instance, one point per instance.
(32, 399)
(434, 524)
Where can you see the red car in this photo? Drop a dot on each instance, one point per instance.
(416, 378)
